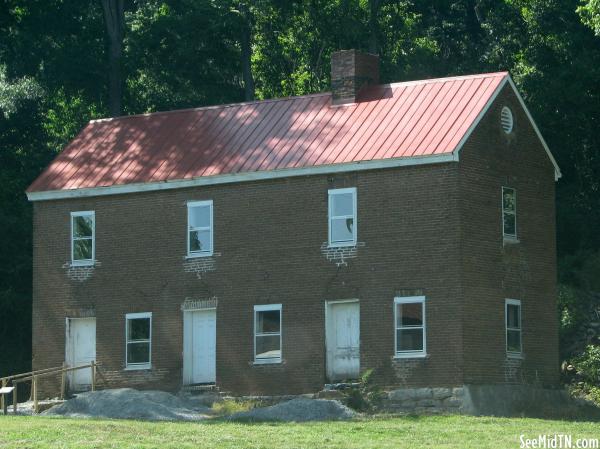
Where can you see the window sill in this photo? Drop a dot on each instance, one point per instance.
(341, 245)
(515, 355)
(199, 255)
(137, 367)
(510, 240)
(267, 362)
(83, 263)
(411, 355)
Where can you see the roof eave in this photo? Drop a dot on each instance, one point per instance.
(239, 177)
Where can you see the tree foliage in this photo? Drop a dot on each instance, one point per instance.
(58, 66)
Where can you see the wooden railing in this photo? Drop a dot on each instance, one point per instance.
(34, 377)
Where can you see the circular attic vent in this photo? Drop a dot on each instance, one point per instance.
(506, 120)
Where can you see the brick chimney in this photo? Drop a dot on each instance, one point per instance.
(350, 71)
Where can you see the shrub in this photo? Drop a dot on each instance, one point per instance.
(587, 369)
(366, 395)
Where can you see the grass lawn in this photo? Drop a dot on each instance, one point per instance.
(382, 432)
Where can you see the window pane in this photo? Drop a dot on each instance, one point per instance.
(409, 340)
(508, 200)
(410, 314)
(138, 329)
(200, 241)
(512, 316)
(267, 347)
(199, 216)
(343, 204)
(513, 341)
(341, 230)
(82, 249)
(268, 322)
(138, 353)
(510, 227)
(82, 226)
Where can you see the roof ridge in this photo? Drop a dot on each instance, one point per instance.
(207, 108)
(444, 79)
(318, 94)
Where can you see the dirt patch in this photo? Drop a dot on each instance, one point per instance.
(298, 410)
(127, 403)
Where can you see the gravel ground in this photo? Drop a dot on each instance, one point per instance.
(127, 403)
(298, 410)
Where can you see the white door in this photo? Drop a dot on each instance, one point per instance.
(81, 350)
(343, 340)
(199, 346)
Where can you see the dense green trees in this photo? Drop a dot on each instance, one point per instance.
(63, 62)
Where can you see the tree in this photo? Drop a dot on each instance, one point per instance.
(114, 20)
(590, 14)
(246, 46)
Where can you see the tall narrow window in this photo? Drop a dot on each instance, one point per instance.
(200, 228)
(342, 217)
(267, 333)
(138, 336)
(513, 327)
(83, 233)
(509, 212)
(409, 315)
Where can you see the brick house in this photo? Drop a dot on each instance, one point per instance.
(276, 246)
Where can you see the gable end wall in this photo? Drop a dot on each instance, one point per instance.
(493, 270)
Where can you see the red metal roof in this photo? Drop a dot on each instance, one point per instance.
(402, 120)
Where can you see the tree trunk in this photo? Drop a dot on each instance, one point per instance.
(373, 14)
(114, 20)
(246, 44)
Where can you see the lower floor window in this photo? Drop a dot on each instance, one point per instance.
(409, 316)
(513, 326)
(267, 333)
(138, 335)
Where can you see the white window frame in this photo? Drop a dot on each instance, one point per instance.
(190, 205)
(331, 217)
(513, 302)
(85, 213)
(268, 308)
(506, 236)
(138, 366)
(409, 300)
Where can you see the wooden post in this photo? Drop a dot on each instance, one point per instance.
(15, 398)
(63, 379)
(93, 367)
(2, 396)
(35, 395)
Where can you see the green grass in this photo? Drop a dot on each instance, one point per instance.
(231, 406)
(381, 432)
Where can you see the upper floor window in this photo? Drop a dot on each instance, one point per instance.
(138, 339)
(409, 315)
(342, 217)
(509, 212)
(267, 333)
(200, 228)
(83, 235)
(513, 326)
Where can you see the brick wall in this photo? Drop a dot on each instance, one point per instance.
(493, 270)
(270, 239)
(432, 230)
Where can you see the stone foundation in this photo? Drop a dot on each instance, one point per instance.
(433, 400)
